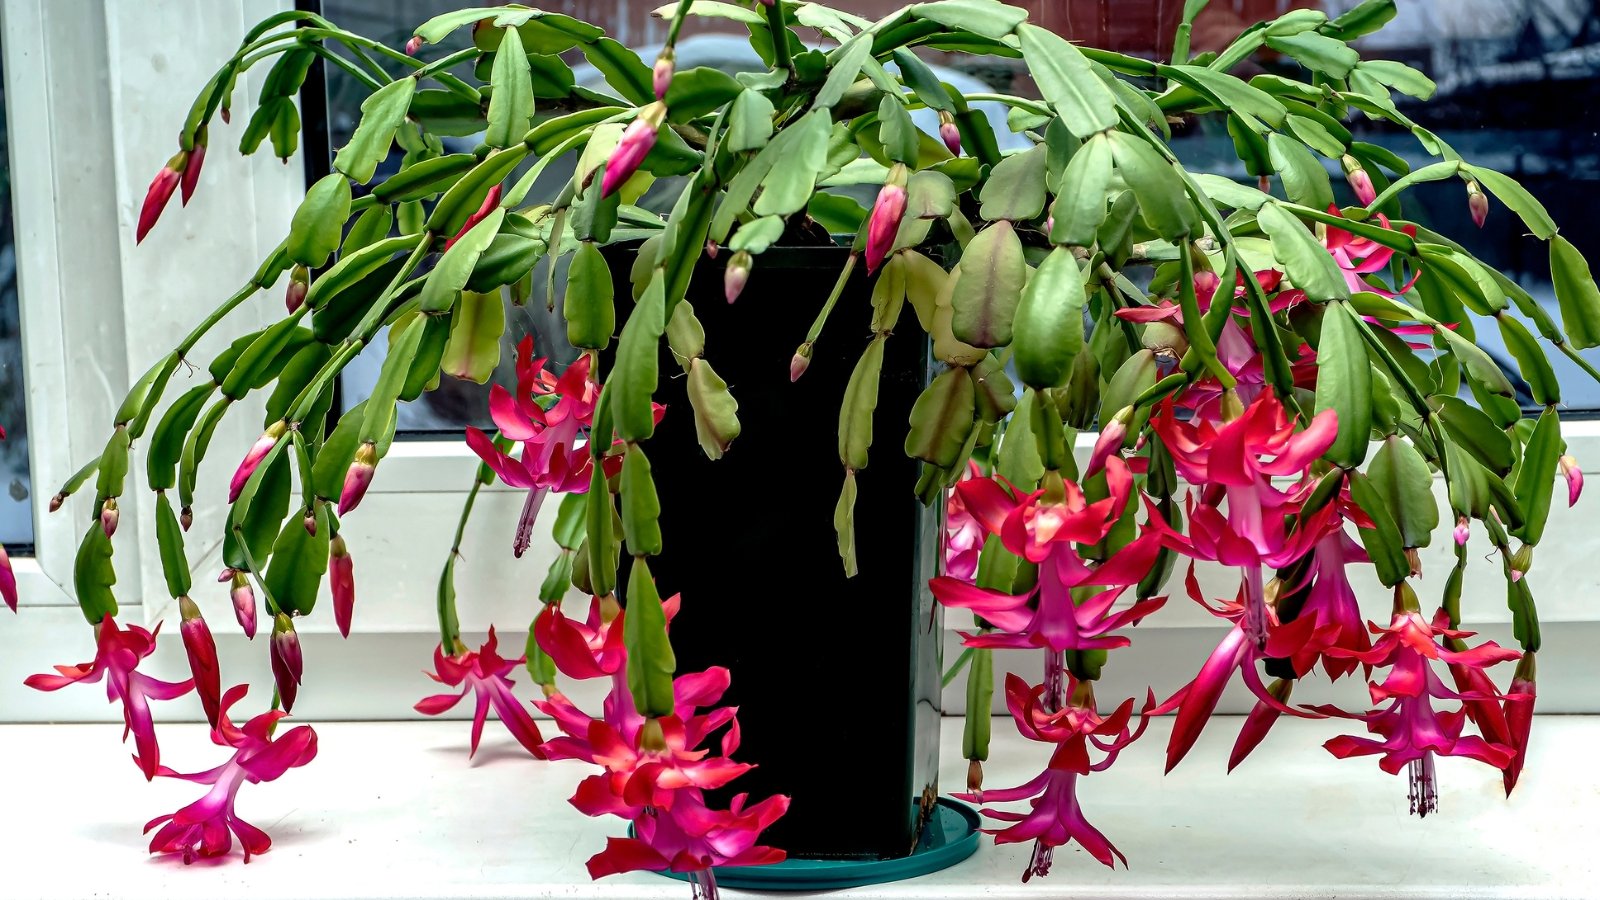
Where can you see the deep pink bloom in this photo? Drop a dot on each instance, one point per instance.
(1360, 257)
(484, 674)
(342, 581)
(587, 649)
(191, 171)
(202, 828)
(117, 655)
(1410, 731)
(1238, 460)
(1519, 703)
(963, 534)
(637, 141)
(8, 580)
(202, 651)
(244, 603)
(1326, 597)
(288, 664)
(358, 477)
(1048, 616)
(884, 223)
(252, 459)
(161, 188)
(1055, 818)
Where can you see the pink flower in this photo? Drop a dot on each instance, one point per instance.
(191, 171)
(1055, 818)
(161, 188)
(1049, 616)
(1410, 731)
(252, 459)
(117, 655)
(1237, 461)
(553, 459)
(358, 477)
(637, 141)
(244, 603)
(202, 651)
(963, 534)
(342, 581)
(484, 674)
(1574, 475)
(1519, 718)
(202, 828)
(884, 223)
(588, 649)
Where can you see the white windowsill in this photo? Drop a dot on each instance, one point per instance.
(393, 810)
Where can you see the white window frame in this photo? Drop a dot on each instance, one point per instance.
(99, 90)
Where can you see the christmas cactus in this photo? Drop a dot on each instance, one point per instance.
(1277, 382)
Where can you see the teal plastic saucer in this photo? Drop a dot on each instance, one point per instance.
(950, 836)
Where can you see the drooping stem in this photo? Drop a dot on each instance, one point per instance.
(780, 38)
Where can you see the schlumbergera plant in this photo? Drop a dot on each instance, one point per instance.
(1277, 381)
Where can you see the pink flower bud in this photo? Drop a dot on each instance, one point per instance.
(884, 223)
(226, 574)
(1112, 436)
(949, 133)
(288, 666)
(109, 516)
(1519, 704)
(358, 477)
(635, 145)
(202, 651)
(252, 459)
(227, 114)
(800, 362)
(244, 603)
(490, 201)
(155, 199)
(1264, 184)
(712, 249)
(1360, 181)
(1477, 203)
(662, 75)
(414, 45)
(736, 275)
(8, 580)
(186, 517)
(1462, 531)
(341, 578)
(299, 286)
(1574, 476)
(56, 501)
(191, 172)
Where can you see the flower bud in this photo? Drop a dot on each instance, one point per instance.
(1414, 562)
(1463, 530)
(1519, 716)
(56, 501)
(490, 201)
(288, 666)
(662, 75)
(414, 45)
(1521, 562)
(109, 516)
(226, 574)
(711, 249)
(1164, 339)
(1574, 476)
(1477, 203)
(949, 133)
(736, 275)
(887, 211)
(1112, 436)
(1360, 181)
(310, 523)
(161, 188)
(244, 603)
(1264, 184)
(252, 459)
(974, 775)
(186, 517)
(299, 286)
(202, 651)
(800, 362)
(191, 171)
(358, 477)
(635, 145)
(341, 579)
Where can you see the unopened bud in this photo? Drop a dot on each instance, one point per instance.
(109, 516)
(288, 665)
(974, 775)
(225, 575)
(342, 582)
(252, 459)
(800, 362)
(1477, 203)
(1463, 530)
(1569, 470)
(1112, 436)
(1360, 181)
(414, 45)
(299, 286)
(358, 477)
(1264, 184)
(737, 275)
(1521, 562)
(310, 522)
(186, 517)
(662, 75)
(56, 501)
(712, 249)
(1414, 562)
(949, 133)
(244, 603)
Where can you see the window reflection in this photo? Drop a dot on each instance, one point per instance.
(16, 508)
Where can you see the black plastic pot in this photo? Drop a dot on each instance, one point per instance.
(836, 679)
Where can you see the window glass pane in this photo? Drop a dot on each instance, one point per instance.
(16, 492)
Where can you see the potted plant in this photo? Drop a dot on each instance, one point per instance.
(1277, 382)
